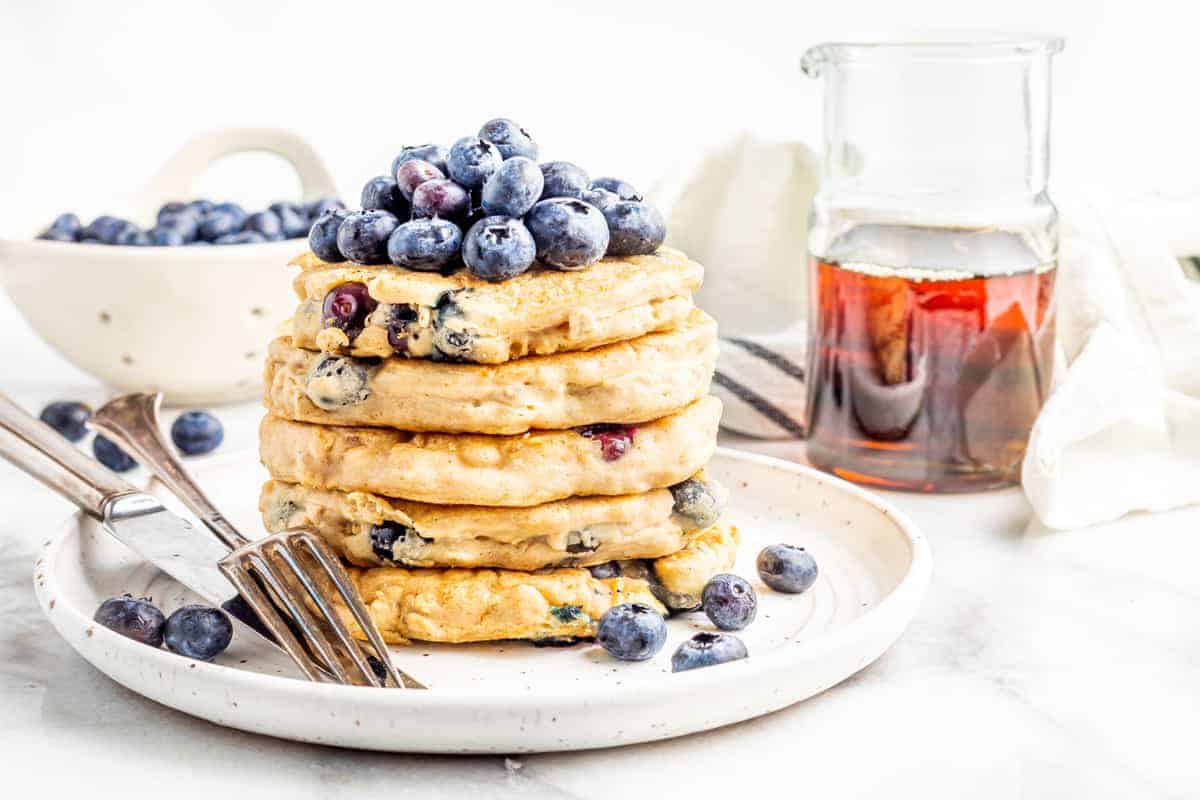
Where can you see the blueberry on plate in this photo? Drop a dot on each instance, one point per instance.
(563, 179)
(472, 160)
(513, 188)
(620, 188)
(632, 632)
(322, 237)
(241, 237)
(412, 173)
(787, 568)
(382, 193)
(110, 455)
(135, 618)
(635, 229)
(68, 418)
(569, 233)
(65, 228)
(441, 198)
(197, 432)
(317, 207)
(198, 632)
(706, 649)
(266, 223)
(433, 153)
(363, 237)
(425, 244)
(346, 306)
(729, 601)
(498, 248)
(510, 138)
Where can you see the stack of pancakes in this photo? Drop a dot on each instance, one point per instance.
(502, 460)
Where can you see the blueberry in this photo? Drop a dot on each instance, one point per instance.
(185, 223)
(170, 209)
(294, 223)
(707, 649)
(510, 138)
(200, 207)
(111, 456)
(600, 198)
(433, 153)
(472, 160)
(609, 569)
(615, 440)
(281, 207)
(787, 568)
(632, 632)
(166, 237)
(241, 237)
(498, 248)
(388, 536)
(106, 229)
(65, 228)
(402, 316)
(198, 632)
(451, 343)
(635, 229)
(363, 237)
(620, 188)
(197, 432)
(425, 244)
(68, 418)
(412, 173)
(563, 179)
(441, 198)
(569, 233)
(322, 237)
(381, 192)
(513, 188)
(133, 236)
(134, 618)
(222, 219)
(317, 207)
(729, 601)
(265, 223)
(696, 502)
(346, 306)
(336, 382)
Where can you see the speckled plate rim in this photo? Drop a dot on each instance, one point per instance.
(764, 683)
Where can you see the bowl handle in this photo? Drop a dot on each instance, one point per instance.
(176, 179)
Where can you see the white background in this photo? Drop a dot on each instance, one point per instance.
(97, 95)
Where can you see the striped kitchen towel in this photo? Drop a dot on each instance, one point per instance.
(760, 379)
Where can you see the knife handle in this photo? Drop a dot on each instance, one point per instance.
(132, 422)
(37, 449)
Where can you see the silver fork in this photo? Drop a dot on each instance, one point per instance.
(278, 576)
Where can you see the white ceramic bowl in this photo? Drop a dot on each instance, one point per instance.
(191, 322)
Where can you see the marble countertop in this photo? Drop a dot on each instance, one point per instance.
(1042, 664)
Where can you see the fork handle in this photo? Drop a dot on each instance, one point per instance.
(132, 421)
(38, 450)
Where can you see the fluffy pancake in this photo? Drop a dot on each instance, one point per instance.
(471, 469)
(368, 530)
(627, 382)
(464, 318)
(475, 605)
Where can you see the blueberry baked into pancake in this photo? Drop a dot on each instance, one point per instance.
(493, 400)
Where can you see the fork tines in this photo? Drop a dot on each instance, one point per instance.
(296, 572)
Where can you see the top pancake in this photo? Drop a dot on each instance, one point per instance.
(464, 318)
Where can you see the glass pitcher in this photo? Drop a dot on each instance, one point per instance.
(932, 248)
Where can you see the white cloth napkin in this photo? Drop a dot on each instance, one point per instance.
(1121, 430)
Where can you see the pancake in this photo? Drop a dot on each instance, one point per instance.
(476, 605)
(473, 469)
(462, 318)
(368, 530)
(628, 382)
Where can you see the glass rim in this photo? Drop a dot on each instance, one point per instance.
(931, 47)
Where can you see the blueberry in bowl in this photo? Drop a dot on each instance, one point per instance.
(706, 650)
(632, 632)
(787, 568)
(729, 601)
(133, 617)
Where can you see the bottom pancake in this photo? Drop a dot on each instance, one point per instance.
(478, 605)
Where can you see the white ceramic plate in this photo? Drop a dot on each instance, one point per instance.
(512, 697)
